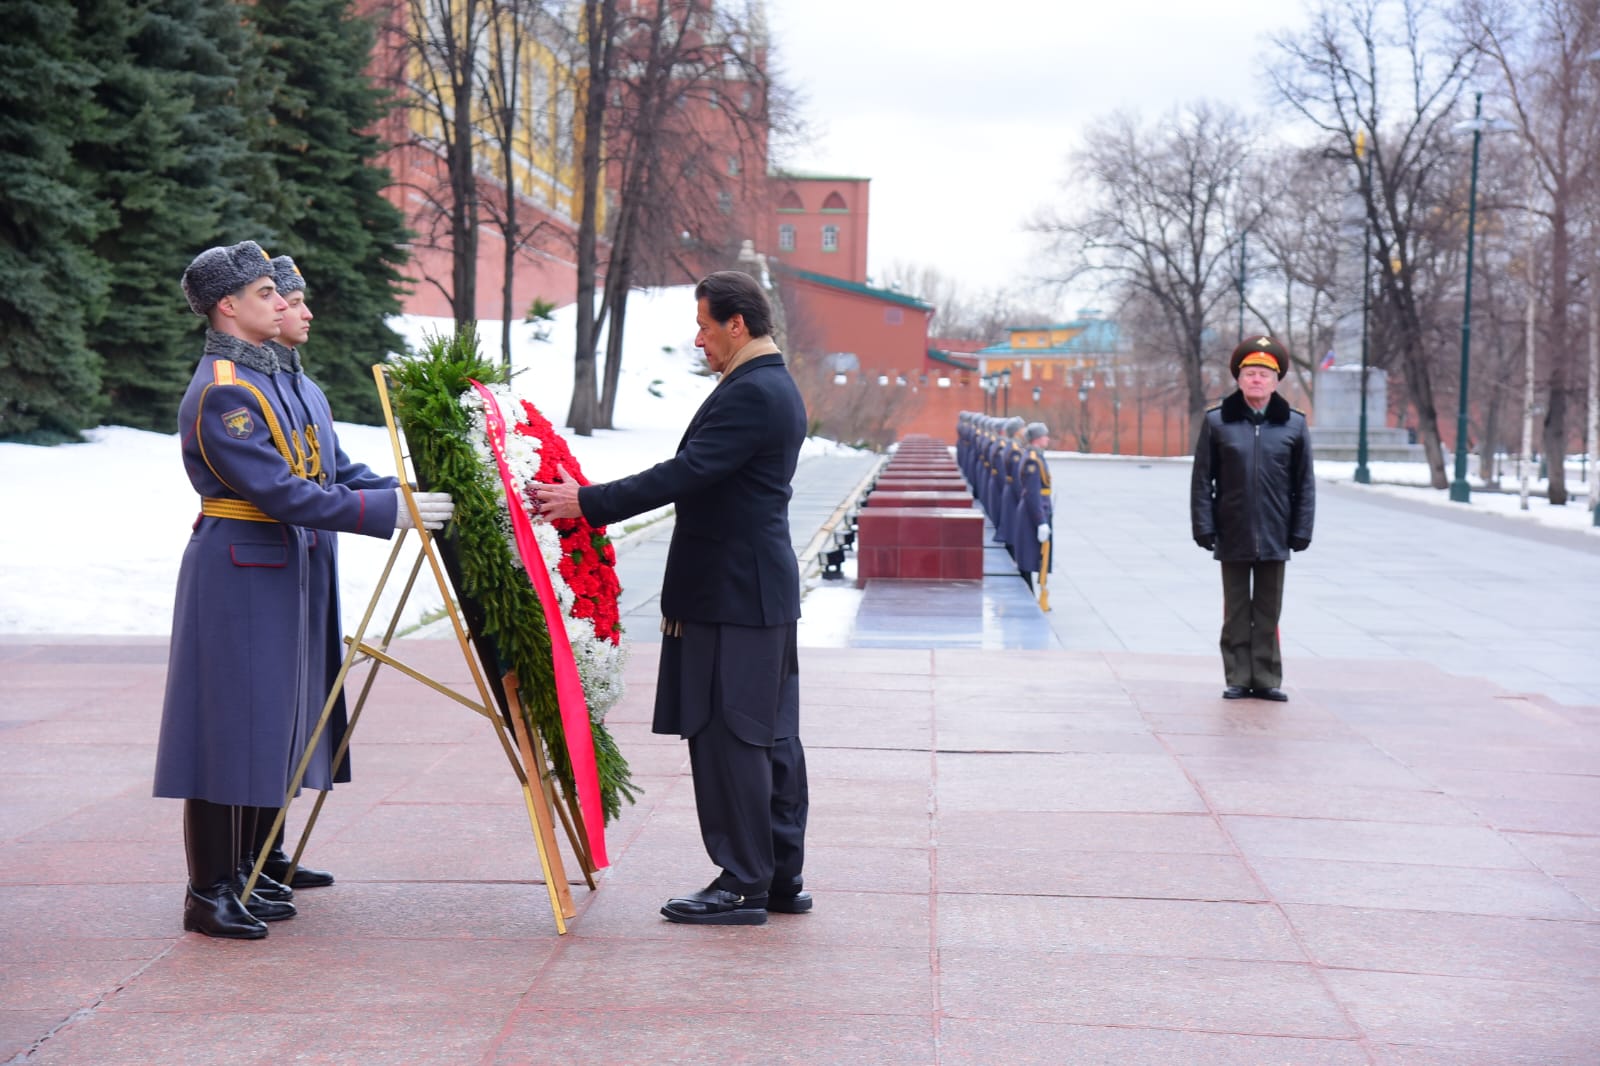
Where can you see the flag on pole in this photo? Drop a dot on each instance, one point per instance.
(1327, 361)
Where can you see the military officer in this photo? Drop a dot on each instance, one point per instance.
(1252, 502)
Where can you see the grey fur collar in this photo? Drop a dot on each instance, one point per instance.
(242, 352)
(288, 358)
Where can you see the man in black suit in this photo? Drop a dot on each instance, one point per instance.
(729, 680)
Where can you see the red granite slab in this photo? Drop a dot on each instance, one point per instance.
(305, 1034)
(1074, 831)
(735, 969)
(1472, 1014)
(1097, 873)
(980, 1042)
(711, 1033)
(1171, 878)
(1427, 845)
(1168, 928)
(1065, 782)
(1260, 998)
(1398, 886)
(1312, 799)
(1456, 945)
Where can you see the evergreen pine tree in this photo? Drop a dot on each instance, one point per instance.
(53, 287)
(333, 218)
(172, 155)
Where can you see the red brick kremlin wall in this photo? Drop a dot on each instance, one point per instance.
(1124, 425)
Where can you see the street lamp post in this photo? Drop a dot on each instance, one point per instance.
(1242, 237)
(1363, 474)
(1116, 419)
(1005, 383)
(1460, 491)
(1083, 418)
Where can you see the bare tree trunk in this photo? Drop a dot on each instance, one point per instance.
(614, 338)
(599, 17)
(464, 205)
(1559, 382)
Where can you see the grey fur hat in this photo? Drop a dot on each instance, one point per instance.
(287, 275)
(1037, 430)
(216, 272)
(1013, 424)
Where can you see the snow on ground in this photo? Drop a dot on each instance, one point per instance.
(1411, 481)
(95, 531)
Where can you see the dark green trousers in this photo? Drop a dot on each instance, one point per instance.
(1252, 599)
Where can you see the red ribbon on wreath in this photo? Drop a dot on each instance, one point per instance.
(575, 728)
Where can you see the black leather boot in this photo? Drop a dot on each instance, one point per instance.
(266, 886)
(260, 905)
(278, 860)
(257, 823)
(212, 905)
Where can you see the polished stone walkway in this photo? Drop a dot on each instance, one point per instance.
(1063, 852)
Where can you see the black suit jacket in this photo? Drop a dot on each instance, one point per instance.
(731, 560)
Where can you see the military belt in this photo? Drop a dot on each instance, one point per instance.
(243, 510)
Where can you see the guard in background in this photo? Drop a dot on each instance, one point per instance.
(1004, 465)
(1016, 448)
(313, 430)
(1252, 502)
(1032, 524)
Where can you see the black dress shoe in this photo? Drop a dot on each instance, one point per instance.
(716, 906)
(1276, 695)
(218, 912)
(794, 903)
(266, 886)
(277, 868)
(267, 910)
(1235, 692)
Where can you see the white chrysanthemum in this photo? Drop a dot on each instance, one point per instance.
(599, 661)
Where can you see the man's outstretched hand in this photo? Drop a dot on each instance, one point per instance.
(558, 499)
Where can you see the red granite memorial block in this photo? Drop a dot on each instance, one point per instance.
(920, 484)
(931, 467)
(920, 564)
(879, 498)
(913, 543)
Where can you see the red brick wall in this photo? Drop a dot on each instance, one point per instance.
(850, 260)
(922, 406)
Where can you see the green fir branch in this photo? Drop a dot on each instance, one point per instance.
(427, 389)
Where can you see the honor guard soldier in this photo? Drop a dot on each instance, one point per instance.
(1252, 502)
(1035, 514)
(1016, 447)
(329, 465)
(233, 721)
(1006, 454)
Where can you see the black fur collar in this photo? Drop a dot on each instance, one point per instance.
(1234, 409)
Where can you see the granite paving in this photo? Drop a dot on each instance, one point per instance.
(1034, 838)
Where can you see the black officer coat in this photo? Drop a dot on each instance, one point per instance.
(731, 560)
(1253, 486)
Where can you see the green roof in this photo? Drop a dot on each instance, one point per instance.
(940, 356)
(886, 295)
(806, 175)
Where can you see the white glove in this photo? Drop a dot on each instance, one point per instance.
(1044, 532)
(436, 508)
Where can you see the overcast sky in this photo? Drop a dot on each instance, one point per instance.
(963, 113)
